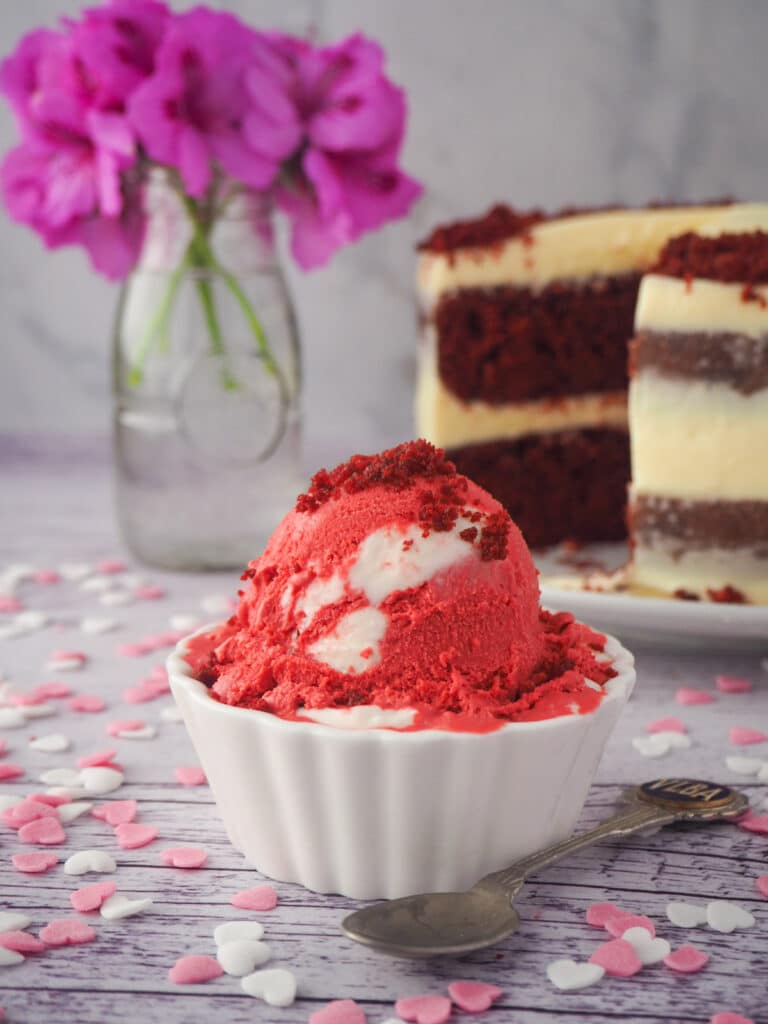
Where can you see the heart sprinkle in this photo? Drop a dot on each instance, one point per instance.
(650, 950)
(732, 684)
(91, 897)
(569, 976)
(741, 736)
(261, 897)
(67, 931)
(340, 1011)
(89, 860)
(686, 915)
(686, 960)
(687, 695)
(117, 812)
(131, 836)
(473, 996)
(34, 863)
(728, 917)
(184, 857)
(277, 987)
(191, 970)
(618, 957)
(426, 1009)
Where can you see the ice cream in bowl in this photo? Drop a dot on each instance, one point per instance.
(389, 710)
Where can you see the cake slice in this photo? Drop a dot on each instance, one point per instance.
(523, 364)
(698, 414)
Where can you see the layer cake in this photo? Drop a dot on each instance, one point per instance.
(698, 416)
(523, 364)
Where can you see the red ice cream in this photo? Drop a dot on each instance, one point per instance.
(398, 583)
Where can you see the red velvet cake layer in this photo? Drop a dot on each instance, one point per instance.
(569, 485)
(511, 344)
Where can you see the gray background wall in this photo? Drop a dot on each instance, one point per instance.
(539, 102)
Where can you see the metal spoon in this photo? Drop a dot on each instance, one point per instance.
(451, 923)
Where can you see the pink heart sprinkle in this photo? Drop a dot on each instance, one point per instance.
(137, 695)
(617, 957)
(91, 897)
(598, 913)
(762, 885)
(136, 650)
(617, 924)
(149, 593)
(10, 771)
(132, 836)
(262, 897)
(742, 736)
(86, 702)
(128, 725)
(732, 684)
(473, 996)
(424, 1009)
(109, 566)
(689, 695)
(10, 604)
(190, 970)
(340, 1011)
(52, 691)
(53, 799)
(754, 823)
(665, 725)
(28, 810)
(184, 857)
(118, 812)
(100, 759)
(190, 775)
(34, 863)
(730, 1018)
(686, 959)
(64, 655)
(26, 700)
(46, 831)
(67, 931)
(46, 576)
(21, 942)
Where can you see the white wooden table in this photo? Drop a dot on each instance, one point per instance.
(56, 509)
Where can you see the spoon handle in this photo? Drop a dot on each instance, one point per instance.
(624, 823)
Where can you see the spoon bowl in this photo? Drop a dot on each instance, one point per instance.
(434, 924)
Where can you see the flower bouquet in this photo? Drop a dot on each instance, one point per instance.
(145, 135)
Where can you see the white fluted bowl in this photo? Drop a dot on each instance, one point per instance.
(380, 814)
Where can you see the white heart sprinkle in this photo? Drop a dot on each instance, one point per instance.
(96, 625)
(61, 777)
(9, 800)
(116, 907)
(115, 598)
(181, 622)
(11, 921)
(89, 860)
(97, 584)
(676, 740)
(32, 620)
(171, 714)
(131, 580)
(655, 745)
(44, 710)
(100, 780)
(231, 930)
(9, 957)
(216, 604)
(648, 949)
(12, 718)
(53, 743)
(71, 792)
(569, 976)
(727, 917)
(9, 630)
(241, 956)
(64, 664)
(276, 986)
(743, 765)
(75, 571)
(762, 775)
(147, 732)
(686, 915)
(68, 812)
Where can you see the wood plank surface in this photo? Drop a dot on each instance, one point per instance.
(60, 512)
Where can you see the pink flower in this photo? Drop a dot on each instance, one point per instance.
(345, 180)
(189, 114)
(117, 45)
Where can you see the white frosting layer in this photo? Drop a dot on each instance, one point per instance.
(607, 243)
(387, 561)
(697, 439)
(364, 716)
(662, 569)
(446, 420)
(672, 304)
(353, 644)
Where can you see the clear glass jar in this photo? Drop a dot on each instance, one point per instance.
(207, 425)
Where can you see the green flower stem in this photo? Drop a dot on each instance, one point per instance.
(158, 325)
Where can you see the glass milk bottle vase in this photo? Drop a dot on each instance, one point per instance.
(206, 387)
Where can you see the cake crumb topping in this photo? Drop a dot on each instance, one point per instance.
(730, 258)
